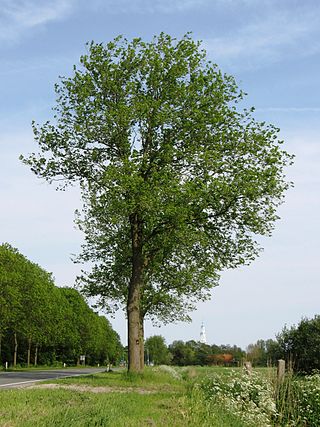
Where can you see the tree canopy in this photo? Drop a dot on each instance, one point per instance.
(300, 345)
(176, 179)
(157, 350)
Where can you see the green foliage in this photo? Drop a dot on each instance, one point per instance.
(300, 345)
(262, 353)
(9, 294)
(298, 401)
(306, 345)
(182, 355)
(157, 350)
(197, 353)
(251, 397)
(258, 400)
(206, 414)
(308, 396)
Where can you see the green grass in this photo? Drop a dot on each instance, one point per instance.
(64, 408)
(150, 380)
(165, 396)
(156, 398)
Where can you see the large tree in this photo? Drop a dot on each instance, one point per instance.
(176, 180)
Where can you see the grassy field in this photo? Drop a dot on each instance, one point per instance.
(158, 398)
(166, 396)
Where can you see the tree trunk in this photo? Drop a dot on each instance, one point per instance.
(36, 356)
(15, 350)
(141, 343)
(29, 352)
(133, 303)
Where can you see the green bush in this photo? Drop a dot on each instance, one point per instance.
(300, 346)
(308, 393)
(250, 397)
(257, 400)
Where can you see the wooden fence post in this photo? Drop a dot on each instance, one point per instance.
(281, 370)
(248, 368)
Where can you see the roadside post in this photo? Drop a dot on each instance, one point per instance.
(281, 370)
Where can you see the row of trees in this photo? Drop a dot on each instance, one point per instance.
(298, 345)
(41, 323)
(191, 353)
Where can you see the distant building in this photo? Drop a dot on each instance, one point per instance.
(203, 338)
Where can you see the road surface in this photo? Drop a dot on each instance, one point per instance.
(21, 379)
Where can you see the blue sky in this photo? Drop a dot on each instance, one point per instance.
(273, 50)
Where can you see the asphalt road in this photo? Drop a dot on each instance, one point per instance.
(21, 379)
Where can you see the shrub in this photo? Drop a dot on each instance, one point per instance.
(301, 345)
(258, 401)
(308, 393)
(251, 398)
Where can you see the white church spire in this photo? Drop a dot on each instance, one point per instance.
(203, 338)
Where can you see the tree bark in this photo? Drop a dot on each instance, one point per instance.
(36, 355)
(141, 337)
(29, 352)
(15, 350)
(133, 303)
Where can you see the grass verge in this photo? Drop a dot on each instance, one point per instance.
(159, 397)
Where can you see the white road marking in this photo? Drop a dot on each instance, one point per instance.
(43, 379)
(21, 382)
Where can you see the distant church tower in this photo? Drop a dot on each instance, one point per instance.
(203, 338)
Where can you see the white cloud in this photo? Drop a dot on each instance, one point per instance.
(37, 219)
(272, 36)
(149, 7)
(289, 109)
(172, 6)
(18, 16)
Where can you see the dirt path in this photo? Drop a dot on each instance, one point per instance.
(86, 388)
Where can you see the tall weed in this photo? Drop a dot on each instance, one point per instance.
(258, 400)
(250, 397)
